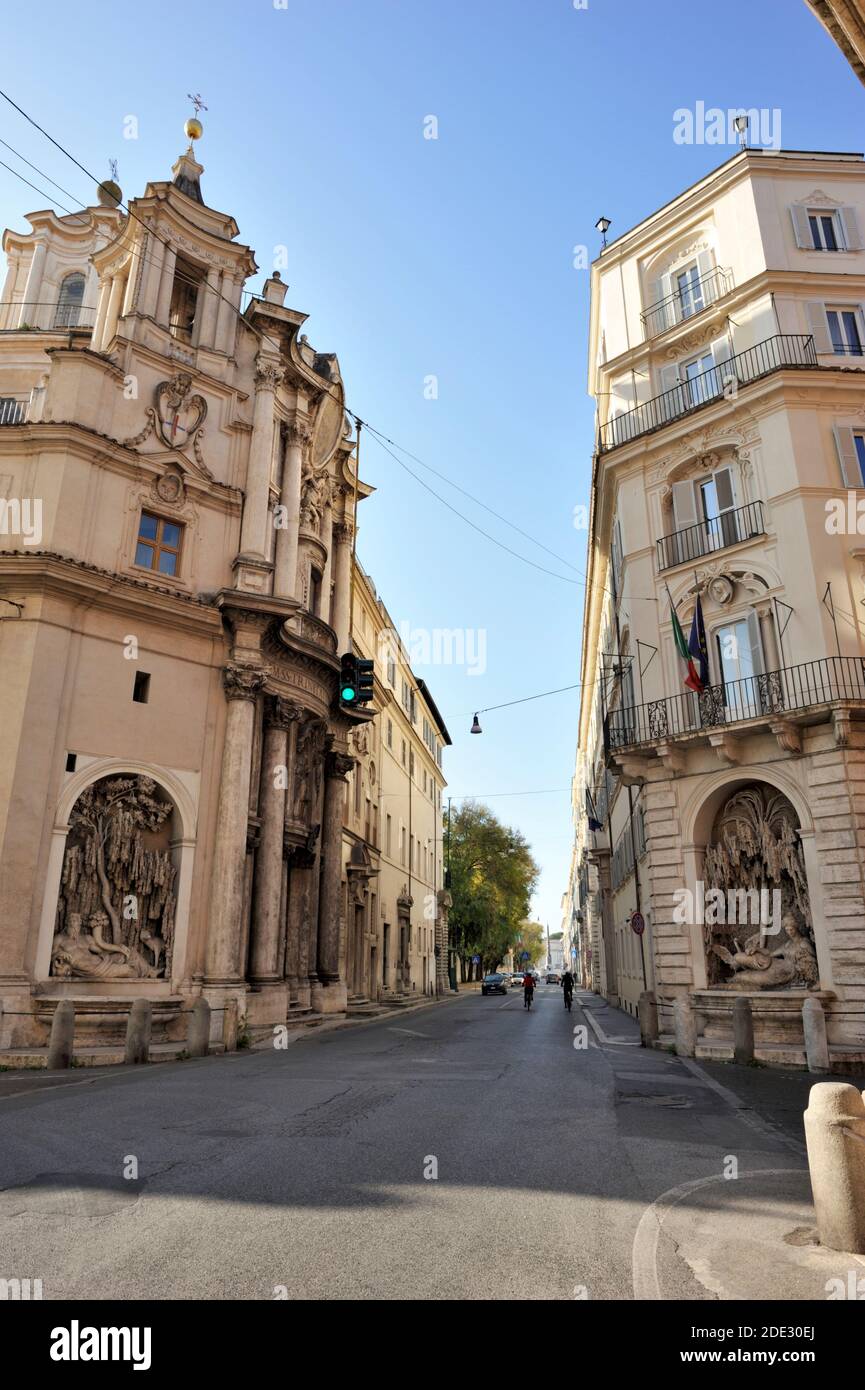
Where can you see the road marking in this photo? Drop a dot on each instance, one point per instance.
(750, 1116)
(644, 1256)
(602, 1036)
(412, 1033)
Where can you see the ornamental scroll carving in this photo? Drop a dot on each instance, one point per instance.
(115, 914)
(755, 847)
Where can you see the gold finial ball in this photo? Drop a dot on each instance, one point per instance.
(194, 129)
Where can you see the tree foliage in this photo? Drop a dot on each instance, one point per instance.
(493, 876)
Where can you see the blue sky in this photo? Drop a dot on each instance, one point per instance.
(450, 258)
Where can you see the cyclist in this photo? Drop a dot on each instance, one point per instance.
(528, 989)
(568, 988)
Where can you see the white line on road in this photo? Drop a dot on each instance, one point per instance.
(644, 1258)
(602, 1037)
(412, 1033)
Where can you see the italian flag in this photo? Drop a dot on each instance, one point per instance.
(692, 678)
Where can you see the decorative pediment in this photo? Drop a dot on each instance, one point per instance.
(818, 199)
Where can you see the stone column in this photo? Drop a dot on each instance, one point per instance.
(166, 286)
(151, 278)
(113, 315)
(285, 585)
(31, 308)
(265, 965)
(209, 307)
(343, 532)
(101, 315)
(132, 277)
(253, 534)
(224, 964)
(444, 903)
(327, 577)
(329, 995)
(226, 319)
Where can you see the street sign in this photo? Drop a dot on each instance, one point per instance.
(524, 956)
(476, 960)
(638, 923)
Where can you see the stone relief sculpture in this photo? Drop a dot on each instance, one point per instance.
(307, 769)
(755, 847)
(314, 496)
(119, 879)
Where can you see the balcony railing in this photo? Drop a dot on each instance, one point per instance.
(13, 411)
(679, 306)
(772, 694)
(715, 533)
(45, 316)
(771, 355)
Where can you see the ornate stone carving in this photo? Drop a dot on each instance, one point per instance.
(119, 883)
(314, 497)
(309, 754)
(267, 374)
(343, 531)
(755, 847)
(169, 488)
(280, 713)
(339, 765)
(179, 413)
(297, 432)
(243, 682)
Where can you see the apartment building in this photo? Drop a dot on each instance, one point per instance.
(727, 362)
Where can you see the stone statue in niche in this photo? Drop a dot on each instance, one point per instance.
(88, 956)
(755, 850)
(118, 876)
(313, 498)
(307, 769)
(767, 963)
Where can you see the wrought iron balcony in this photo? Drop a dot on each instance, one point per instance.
(13, 411)
(715, 533)
(45, 316)
(771, 355)
(679, 306)
(773, 694)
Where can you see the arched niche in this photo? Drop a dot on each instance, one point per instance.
(161, 846)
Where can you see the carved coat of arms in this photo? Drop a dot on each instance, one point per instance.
(180, 414)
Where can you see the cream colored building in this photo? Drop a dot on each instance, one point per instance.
(177, 485)
(396, 909)
(726, 359)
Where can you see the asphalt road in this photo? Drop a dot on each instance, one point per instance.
(304, 1171)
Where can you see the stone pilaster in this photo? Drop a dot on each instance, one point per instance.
(444, 902)
(343, 531)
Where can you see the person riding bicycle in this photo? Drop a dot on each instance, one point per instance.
(568, 988)
(528, 989)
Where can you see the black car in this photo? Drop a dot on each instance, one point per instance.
(494, 984)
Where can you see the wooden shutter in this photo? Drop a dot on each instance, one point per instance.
(705, 266)
(819, 326)
(851, 473)
(802, 227)
(724, 489)
(850, 226)
(684, 505)
(755, 642)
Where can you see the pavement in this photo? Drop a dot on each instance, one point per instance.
(469, 1150)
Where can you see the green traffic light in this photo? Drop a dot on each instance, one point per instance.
(348, 693)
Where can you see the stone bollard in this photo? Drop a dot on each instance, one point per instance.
(743, 1032)
(685, 1023)
(814, 1027)
(138, 1033)
(230, 1021)
(198, 1037)
(60, 1047)
(835, 1135)
(647, 1011)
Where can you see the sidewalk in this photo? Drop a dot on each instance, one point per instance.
(752, 1238)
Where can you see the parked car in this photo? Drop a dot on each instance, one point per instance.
(494, 984)
(553, 977)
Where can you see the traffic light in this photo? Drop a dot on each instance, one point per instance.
(348, 683)
(365, 680)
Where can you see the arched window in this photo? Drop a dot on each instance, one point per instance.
(70, 301)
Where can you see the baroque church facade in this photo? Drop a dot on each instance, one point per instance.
(178, 487)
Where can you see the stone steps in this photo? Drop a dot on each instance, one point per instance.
(36, 1058)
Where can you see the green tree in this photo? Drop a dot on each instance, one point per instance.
(532, 939)
(493, 875)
